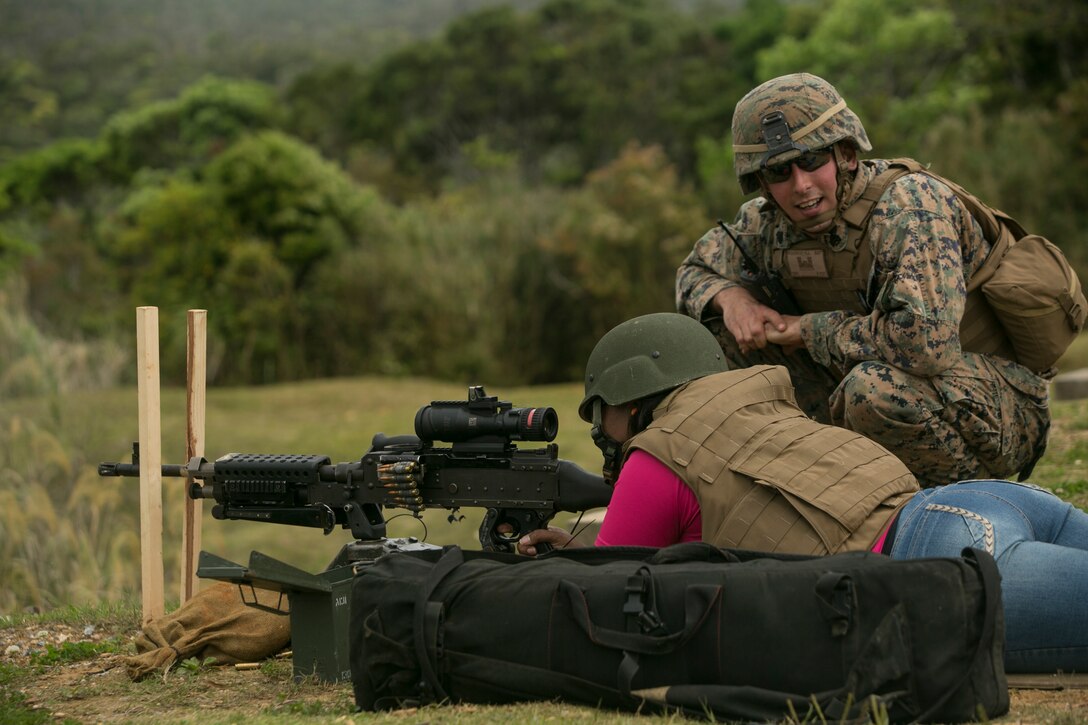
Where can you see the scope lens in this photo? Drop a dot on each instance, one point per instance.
(538, 424)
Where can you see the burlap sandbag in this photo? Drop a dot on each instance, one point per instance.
(214, 623)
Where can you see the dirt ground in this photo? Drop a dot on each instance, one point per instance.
(97, 690)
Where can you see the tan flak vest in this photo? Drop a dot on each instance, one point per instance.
(823, 280)
(767, 477)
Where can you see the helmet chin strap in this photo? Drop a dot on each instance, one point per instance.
(612, 451)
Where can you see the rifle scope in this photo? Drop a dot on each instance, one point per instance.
(459, 422)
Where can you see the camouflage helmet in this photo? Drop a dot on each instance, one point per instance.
(786, 116)
(647, 355)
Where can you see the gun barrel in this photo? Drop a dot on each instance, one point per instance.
(174, 470)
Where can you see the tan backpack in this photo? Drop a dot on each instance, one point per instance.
(1026, 281)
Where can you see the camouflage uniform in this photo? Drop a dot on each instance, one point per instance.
(897, 374)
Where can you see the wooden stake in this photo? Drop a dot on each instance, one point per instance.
(147, 378)
(196, 370)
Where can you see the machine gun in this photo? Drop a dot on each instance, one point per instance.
(521, 490)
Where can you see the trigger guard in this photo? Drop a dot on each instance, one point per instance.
(489, 541)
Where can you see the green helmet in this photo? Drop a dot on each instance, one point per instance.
(647, 355)
(784, 117)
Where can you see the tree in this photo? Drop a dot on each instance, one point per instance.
(615, 250)
(283, 192)
(188, 131)
(899, 63)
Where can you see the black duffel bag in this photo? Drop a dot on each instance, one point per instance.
(710, 632)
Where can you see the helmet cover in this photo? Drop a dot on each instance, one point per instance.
(785, 117)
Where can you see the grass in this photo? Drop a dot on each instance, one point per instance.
(1076, 356)
(122, 614)
(14, 710)
(73, 652)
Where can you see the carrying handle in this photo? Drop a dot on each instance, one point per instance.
(699, 602)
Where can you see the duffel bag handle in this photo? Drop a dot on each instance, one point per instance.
(699, 602)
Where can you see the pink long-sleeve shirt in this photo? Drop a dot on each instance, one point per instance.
(651, 506)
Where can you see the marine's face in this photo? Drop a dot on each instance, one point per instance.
(806, 195)
(615, 422)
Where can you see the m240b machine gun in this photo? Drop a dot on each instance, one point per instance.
(521, 489)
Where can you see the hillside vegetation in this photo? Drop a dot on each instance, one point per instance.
(476, 199)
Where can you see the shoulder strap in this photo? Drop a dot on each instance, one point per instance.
(990, 219)
(999, 228)
(986, 216)
(858, 213)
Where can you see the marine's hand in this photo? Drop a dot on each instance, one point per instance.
(556, 538)
(747, 319)
(789, 337)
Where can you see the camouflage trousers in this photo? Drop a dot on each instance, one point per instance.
(968, 422)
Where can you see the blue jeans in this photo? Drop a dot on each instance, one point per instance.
(1040, 544)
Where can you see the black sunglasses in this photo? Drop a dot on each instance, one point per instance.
(808, 161)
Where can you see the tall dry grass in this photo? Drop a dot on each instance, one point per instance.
(60, 542)
(70, 537)
(33, 363)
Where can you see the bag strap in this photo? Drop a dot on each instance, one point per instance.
(999, 228)
(857, 214)
(699, 602)
(991, 588)
(426, 617)
(835, 593)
